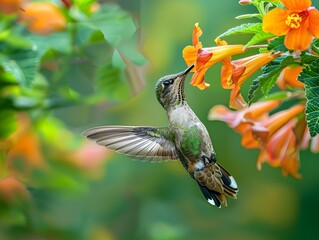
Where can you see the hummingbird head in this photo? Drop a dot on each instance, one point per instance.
(170, 89)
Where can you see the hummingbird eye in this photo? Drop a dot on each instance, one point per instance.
(167, 82)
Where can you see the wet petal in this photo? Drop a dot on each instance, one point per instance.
(299, 38)
(275, 21)
(296, 5)
(313, 22)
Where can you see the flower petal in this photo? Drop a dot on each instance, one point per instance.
(198, 79)
(315, 144)
(289, 77)
(197, 32)
(226, 73)
(236, 100)
(299, 38)
(275, 21)
(296, 5)
(313, 23)
(290, 165)
(190, 55)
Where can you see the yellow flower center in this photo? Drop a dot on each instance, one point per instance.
(294, 20)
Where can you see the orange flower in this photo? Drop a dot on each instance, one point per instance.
(282, 150)
(278, 136)
(90, 158)
(43, 17)
(10, 6)
(205, 58)
(12, 190)
(268, 127)
(298, 21)
(242, 121)
(289, 77)
(23, 144)
(235, 73)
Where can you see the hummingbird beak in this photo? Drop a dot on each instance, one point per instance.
(187, 70)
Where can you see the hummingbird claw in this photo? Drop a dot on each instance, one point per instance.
(205, 159)
(208, 160)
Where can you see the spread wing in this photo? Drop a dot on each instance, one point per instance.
(144, 143)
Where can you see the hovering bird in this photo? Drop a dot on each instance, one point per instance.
(185, 139)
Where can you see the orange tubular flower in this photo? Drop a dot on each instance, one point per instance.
(268, 127)
(235, 73)
(242, 121)
(298, 21)
(282, 150)
(279, 137)
(289, 78)
(205, 58)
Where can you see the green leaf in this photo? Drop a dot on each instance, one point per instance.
(115, 23)
(249, 28)
(310, 77)
(308, 58)
(277, 44)
(8, 123)
(22, 64)
(315, 45)
(112, 83)
(59, 41)
(281, 95)
(261, 85)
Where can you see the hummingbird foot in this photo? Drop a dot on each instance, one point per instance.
(207, 160)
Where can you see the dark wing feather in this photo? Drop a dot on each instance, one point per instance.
(144, 143)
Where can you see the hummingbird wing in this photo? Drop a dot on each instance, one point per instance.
(143, 143)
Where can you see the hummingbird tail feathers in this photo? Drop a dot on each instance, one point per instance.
(217, 191)
(213, 198)
(229, 183)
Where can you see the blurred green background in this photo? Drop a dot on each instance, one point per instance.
(128, 199)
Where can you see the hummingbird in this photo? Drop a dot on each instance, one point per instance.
(185, 139)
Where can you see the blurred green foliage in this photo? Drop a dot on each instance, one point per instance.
(54, 86)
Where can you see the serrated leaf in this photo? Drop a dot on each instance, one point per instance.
(309, 58)
(310, 77)
(115, 23)
(261, 85)
(249, 28)
(22, 64)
